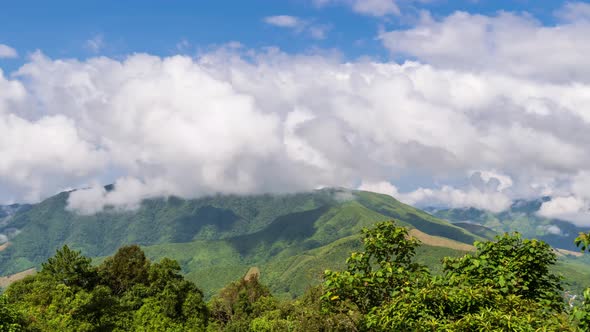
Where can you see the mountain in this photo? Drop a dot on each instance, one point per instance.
(8, 210)
(291, 238)
(521, 217)
(7, 231)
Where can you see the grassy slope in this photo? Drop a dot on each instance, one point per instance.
(286, 273)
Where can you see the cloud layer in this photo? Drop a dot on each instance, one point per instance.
(449, 129)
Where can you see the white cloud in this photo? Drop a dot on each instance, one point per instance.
(490, 180)
(552, 229)
(512, 43)
(284, 123)
(445, 196)
(381, 187)
(183, 45)
(459, 198)
(7, 52)
(567, 208)
(298, 25)
(575, 206)
(242, 121)
(366, 7)
(574, 12)
(95, 44)
(284, 21)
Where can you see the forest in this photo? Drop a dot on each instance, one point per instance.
(504, 285)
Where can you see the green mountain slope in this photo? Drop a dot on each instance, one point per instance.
(521, 217)
(291, 238)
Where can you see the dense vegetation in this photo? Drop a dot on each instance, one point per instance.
(505, 285)
(292, 238)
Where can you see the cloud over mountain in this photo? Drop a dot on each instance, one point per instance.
(470, 131)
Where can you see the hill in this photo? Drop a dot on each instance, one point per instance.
(291, 238)
(521, 217)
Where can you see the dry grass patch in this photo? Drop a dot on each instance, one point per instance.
(4, 246)
(565, 252)
(437, 241)
(5, 281)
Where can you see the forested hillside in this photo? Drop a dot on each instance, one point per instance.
(504, 285)
(291, 238)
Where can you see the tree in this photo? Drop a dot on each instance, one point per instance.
(236, 303)
(126, 268)
(10, 319)
(70, 268)
(130, 295)
(581, 314)
(505, 285)
(512, 265)
(373, 276)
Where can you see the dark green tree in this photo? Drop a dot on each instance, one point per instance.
(71, 268)
(126, 268)
(235, 305)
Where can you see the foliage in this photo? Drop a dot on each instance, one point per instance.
(70, 268)
(513, 266)
(504, 285)
(240, 301)
(373, 276)
(438, 307)
(126, 268)
(131, 295)
(10, 318)
(273, 232)
(583, 241)
(581, 314)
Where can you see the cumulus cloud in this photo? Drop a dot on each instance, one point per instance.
(552, 229)
(485, 192)
(517, 44)
(574, 207)
(366, 7)
(221, 123)
(245, 121)
(568, 208)
(7, 52)
(315, 31)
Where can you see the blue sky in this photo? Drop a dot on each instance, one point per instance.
(462, 103)
(61, 29)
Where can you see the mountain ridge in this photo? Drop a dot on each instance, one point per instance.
(522, 216)
(222, 233)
